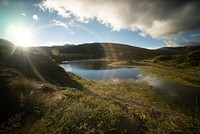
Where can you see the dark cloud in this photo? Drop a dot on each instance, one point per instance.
(160, 19)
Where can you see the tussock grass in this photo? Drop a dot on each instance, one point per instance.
(138, 98)
(89, 114)
(103, 107)
(182, 76)
(84, 83)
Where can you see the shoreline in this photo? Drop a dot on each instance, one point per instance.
(173, 74)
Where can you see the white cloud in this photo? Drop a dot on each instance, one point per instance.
(65, 25)
(171, 43)
(35, 17)
(23, 14)
(195, 35)
(51, 43)
(59, 23)
(159, 19)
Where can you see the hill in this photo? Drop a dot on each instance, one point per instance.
(34, 64)
(182, 60)
(99, 51)
(177, 50)
(110, 51)
(32, 101)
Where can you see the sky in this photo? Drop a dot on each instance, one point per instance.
(143, 23)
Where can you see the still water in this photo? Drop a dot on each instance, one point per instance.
(99, 70)
(177, 94)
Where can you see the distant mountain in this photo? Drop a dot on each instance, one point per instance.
(98, 51)
(107, 50)
(177, 50)
(110, 51)
(180, 57)
(54, 51)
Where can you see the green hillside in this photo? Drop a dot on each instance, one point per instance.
(109, 51)
(38, 96)
(99, 51)
(34, 64)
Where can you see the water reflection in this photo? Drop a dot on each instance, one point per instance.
(99, 70)
(153, 81)
(90, 64)
(67, 67)
(177, 94)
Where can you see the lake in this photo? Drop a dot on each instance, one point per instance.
(99, 70)
(177, 94)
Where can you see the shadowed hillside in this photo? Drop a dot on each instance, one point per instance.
(109, 51)
(99, 51)
(177, 50)
(183, 60)
(34, 64)
(29, 104)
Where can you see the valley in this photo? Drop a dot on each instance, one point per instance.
(44, 98)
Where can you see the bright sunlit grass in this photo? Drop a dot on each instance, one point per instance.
(22, 36)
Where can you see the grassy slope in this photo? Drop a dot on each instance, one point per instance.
(105, 107)
(110, 51)
(183, 68)
(98, 51)
(183, 76)
(34, 64)
(29, 105)
(189, 76)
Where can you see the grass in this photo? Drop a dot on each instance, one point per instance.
(124, 63)
(189, 76)
(183, 68)
(88, 114)
(186, 76)
(158, 116)
(84, 83)
(103, 107)
(28, 105)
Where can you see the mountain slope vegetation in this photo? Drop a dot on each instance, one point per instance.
(35, 64)
(110, 51)
(38, 96)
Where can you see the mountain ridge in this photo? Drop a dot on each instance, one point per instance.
(112, 50)
(106, 51)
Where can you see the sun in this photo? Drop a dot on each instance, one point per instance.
(22, 36)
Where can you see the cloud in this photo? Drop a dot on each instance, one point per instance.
(35, 17)
(23, 14)
(59, 23)
(195, 35)
(158, 19)
(65, 25)
(51, 43)
(171, 43)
